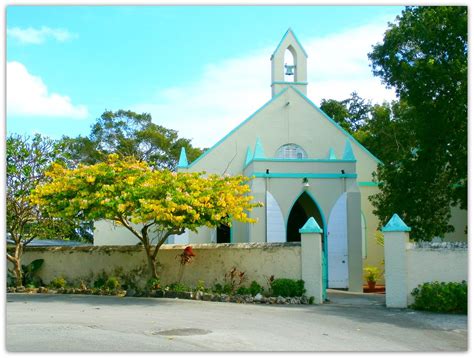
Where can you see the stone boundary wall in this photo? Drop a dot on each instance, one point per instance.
(258, 260)
(428, 264)
(409, 264)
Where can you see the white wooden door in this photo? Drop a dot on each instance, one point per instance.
(338, 269)
(275, 224)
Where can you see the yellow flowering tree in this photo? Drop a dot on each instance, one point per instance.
(152, 204)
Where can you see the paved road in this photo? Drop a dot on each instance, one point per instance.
(350, 322)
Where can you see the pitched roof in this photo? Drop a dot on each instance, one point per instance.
(350, 137)
(287, 33)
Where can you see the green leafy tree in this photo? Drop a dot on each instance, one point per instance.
(351, 113)
(151, 203)
(27, 160)
(424, 57)
(127, 133)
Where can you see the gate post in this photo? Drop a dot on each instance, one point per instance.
(396, 238)
(311, 260)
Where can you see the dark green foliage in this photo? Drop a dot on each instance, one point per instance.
(286, 287)
(29, 273)
(127, 133)
(444, 297)
(153, 283)
(100, 280)
(243, 291)
(226, 288)
(351, 113)
(255, 288)
(423, 56)
(179, 287)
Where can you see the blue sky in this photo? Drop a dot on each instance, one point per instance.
(194, 68)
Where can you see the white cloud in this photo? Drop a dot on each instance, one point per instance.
(28, 95)
(231, 90)
(34, 36)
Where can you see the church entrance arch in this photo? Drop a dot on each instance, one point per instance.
(303, 208)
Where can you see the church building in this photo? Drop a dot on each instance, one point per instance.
(303, 165)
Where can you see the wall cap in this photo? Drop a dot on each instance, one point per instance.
(396, 224)
(311, 227)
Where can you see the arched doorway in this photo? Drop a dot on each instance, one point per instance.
(303, 208)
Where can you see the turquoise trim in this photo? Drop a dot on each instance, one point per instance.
(396, 224)
(325, 236)
(240, 125)
(311, 227)
(332, 154)
(303, 175)
(367, 183)
(183, 159)
(258, 152)
(288, 83)
(348, 153)
(248, 157)
(283, 38)
(336, 124)
(305, 160)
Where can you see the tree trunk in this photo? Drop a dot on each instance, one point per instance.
(18, 273)
(15, 259)
(151, 264)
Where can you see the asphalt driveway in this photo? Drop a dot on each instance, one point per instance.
(350, 322)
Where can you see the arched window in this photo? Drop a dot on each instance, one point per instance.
(291, 151)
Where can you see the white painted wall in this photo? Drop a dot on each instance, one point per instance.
(427, 265)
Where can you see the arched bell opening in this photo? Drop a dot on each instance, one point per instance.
(290, 64)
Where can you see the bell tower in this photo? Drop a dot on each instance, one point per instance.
(289, 64)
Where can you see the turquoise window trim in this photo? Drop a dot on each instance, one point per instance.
(367, 183)
(337, 125)
(288, 83)
(231, 238)
(283, 38)
(325, 236)
(236, 128)
(303, 175)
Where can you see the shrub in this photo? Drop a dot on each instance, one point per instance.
(444, 297)
(200, 286)
(287, 287)
(243, 291)
(255, 288)
(30, 279)
(112, 283)
(58, 282)
(179, 287)
(218, 288)
(153, 283)
(100, 281)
